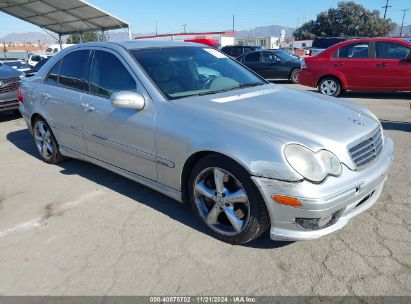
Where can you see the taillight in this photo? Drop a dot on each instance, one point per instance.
(20, 95)
(303, 64)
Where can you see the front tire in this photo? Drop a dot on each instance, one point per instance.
(225, 198)
(294, 75)
(46, 142)
(330, 86)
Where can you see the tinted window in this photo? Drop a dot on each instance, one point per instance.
(73, 70)
(354, 50)
(108, 75)
(285, 56)
(390, 50)
(52, 77)
(269, 57)
(253, 57)
(40, 64)
(324, 43)
(234, 51)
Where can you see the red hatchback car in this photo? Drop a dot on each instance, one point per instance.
(382, 64)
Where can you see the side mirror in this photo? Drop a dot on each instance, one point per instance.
(127, 100)
(409, 57)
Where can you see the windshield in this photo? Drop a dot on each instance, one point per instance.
(284, 56)
(49, 50)
(188, 71)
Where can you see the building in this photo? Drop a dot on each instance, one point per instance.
(299, 44)
(224, 38)
(270, 42)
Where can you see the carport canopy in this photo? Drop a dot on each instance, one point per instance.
(63, 16)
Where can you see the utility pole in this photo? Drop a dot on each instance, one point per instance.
(403, 17)
(40, 46)
(233, 23)
(386, 8)
(156, 28)
(184, 28)
(4, 49)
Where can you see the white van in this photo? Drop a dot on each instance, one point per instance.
(54, 48)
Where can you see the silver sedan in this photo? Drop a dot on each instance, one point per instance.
(197, 126)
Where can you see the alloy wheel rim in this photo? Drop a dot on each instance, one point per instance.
(295, 76)
(44, 143)
(222, 201)
(329, 87)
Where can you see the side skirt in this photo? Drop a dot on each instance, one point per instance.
(172, 193)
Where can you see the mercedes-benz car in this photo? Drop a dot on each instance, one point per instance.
(246, 154)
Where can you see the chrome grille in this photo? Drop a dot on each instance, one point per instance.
(10, 85)
(367, 150)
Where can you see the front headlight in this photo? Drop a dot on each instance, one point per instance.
(313, 166)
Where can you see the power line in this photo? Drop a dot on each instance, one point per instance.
(403, 17)
(386, 8)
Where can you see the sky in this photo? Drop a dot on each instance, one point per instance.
(213, 15)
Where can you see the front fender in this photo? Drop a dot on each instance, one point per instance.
(179, 137)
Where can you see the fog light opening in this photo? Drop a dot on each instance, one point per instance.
(318, 223)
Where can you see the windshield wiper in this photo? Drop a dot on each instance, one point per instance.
(238, 86)
(249, 84)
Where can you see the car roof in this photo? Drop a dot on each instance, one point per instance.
(142, 44)
(332, 48)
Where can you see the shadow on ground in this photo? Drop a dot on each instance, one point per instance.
(141, 194)
(377, 95)
(396, 125)
(9, 115)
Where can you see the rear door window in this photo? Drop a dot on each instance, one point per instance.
(354, 50)
(73, 70)
(390, 50)
(53, 75)
(108, 75)
(269, 57)
(252, 57)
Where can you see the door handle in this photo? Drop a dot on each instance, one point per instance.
(87, 107)
(381, 65)
(338, 64)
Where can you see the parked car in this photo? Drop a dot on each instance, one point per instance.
(235, 51)
(35, 58)
(206, 41)
(19, 65)
(54, 48)
(320, 44)
(37, 67)
(382, 64)
(273, 64)
(9, 83)
(246, 154)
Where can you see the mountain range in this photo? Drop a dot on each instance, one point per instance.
(262, 31)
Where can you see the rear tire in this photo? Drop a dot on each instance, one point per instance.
(227, 201)
(294, 75)
(330, 86)
(46, 142)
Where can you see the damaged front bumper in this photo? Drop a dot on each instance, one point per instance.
(328, 206)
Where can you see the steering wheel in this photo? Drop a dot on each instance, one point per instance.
(208, 82)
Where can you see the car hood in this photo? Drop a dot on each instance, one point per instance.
(289, 116)
(7, 72)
